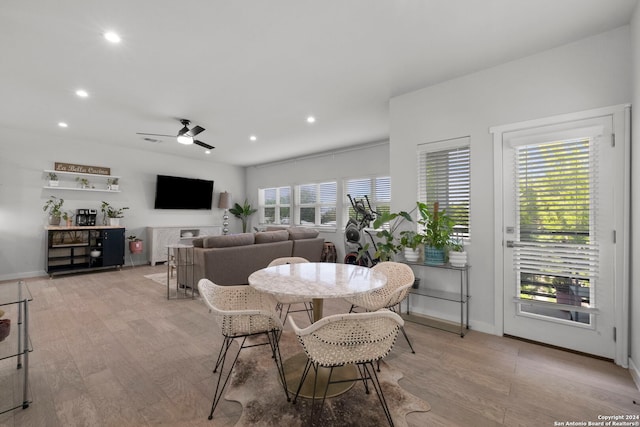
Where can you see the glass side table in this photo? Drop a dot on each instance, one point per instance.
(14, 374)
(180, 263)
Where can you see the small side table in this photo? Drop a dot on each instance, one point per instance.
(180, 258)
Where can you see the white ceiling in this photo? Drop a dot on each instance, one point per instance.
(258, 67)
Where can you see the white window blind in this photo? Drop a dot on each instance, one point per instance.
(275, 205)
(377, 189)
(556, 202)
(316, 203)
(444, 177)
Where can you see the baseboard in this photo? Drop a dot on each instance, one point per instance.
(635, 373)
(25, 275)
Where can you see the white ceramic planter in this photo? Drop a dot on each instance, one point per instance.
(411, 255)
(457, 259)
(114, 222)
(53, 183)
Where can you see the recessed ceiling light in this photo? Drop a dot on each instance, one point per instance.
(311, 119)
(63, 124)
(207, 152)
(253, 138)
(112, 37)
(82, 93)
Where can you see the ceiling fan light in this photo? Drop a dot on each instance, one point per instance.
(183, 131)
(186, 140)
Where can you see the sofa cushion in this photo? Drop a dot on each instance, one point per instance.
(296, 233)
(198, 242)
(242, 239)
(271, 236)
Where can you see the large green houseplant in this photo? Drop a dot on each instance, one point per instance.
(54, 206)
(243, 212)
(438, 227)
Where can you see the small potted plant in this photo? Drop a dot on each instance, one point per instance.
(135, 244)
(411, 242)
(113, 184)
(54, 206)
(457, 254)
(53, 179)
(243, 212)
(84, 182)
(68, 217)
(112, 213)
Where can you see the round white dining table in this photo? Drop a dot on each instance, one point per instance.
(318, 281)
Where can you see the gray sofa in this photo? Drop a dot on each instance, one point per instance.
(230, 259)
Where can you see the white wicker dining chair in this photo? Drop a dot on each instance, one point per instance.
(400, 278)
(353, 338)
(241, 312)
(284, 301)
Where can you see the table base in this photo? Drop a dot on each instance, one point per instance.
(294, 368)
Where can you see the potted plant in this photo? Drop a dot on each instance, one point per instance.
(84, 182)
(389, 244)
(438, 227)
(457, 254)
(54, 206)
(68, 217)
(411, 242)
(53, 179)
(113, 184)
(243, 212)
(112, 213)
(135, 244)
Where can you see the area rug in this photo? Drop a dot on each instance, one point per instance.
(161, 278)
(255, 385)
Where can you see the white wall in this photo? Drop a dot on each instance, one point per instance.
(372, 160)
(634, 329)
(23, 157)
(590, 73)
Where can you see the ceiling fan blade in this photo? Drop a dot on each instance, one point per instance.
(155, 134)
(202, 144)
(196, 130)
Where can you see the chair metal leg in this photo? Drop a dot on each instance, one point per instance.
(376, 385)
(219, 390)
(407, 338)
(274, 338)
(305, 372)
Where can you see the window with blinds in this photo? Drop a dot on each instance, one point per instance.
(444, 177)
(376, 189)
(316, 203)
(275, 205)
(556, 256)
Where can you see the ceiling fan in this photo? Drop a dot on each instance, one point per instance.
(185, 135)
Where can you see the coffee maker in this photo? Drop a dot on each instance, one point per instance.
(86, 217)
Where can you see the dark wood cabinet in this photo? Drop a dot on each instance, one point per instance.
(75, 249)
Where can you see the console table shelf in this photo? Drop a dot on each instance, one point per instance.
(459, 296)
(83, 248)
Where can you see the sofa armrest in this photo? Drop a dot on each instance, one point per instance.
(311, 249)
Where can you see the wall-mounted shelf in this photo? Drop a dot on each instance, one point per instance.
(66, 184)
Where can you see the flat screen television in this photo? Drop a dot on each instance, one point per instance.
(174, 192)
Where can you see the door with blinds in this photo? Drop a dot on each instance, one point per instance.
(561, 208)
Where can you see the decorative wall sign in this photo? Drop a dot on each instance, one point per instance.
(70, 167)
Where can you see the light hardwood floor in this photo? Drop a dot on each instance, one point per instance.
(110, 350)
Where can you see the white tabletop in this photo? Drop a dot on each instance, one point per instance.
(317, 280)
